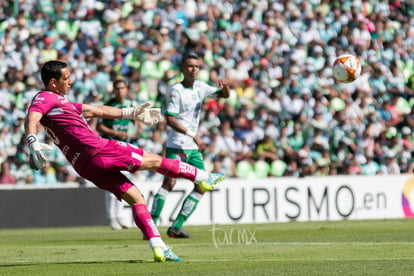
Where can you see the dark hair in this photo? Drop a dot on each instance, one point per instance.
(115, 82)
(52, 70)
(189, 55)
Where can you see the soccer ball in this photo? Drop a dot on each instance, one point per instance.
(346, 68)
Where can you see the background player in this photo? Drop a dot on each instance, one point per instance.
(183, 116)
(116, 129)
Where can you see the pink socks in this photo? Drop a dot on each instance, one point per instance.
(177, 169)
(144, 221)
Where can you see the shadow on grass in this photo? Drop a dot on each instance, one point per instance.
(78, 263)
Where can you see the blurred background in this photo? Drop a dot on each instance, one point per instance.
(286, 115)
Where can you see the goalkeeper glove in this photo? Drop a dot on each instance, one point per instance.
(37, 158)
(143, 113)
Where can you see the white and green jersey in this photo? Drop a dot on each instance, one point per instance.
(185, 104)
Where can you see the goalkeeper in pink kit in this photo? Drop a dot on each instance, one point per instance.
(101, 160)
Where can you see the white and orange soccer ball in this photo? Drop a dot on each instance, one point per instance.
(346, 68)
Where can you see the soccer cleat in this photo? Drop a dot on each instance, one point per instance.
(213, 179)
(170, 256)
(159, 255)
(177, 233)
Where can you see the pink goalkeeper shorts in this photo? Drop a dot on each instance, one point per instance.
(104, 169)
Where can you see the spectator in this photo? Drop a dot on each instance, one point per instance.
(390, 166)
(45, 176)
(281, 47)
(20, 169)
(5, 176)
(265, 149)
(370, 167)
(225, 150)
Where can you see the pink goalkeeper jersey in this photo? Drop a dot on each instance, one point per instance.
(69, 130)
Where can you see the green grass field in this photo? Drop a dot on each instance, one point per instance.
(313, 248)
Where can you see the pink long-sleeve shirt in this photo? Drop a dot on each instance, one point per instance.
(64, 122)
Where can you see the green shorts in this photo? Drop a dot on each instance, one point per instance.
(192, 157)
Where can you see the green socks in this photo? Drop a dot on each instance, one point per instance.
(158, 204)
(189, 205)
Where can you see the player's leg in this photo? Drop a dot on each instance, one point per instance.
(98, 171)
(144, 222)
(119, 211)
(167, 185)
(160, 197)
(190, 203)
(178, 169)
(119, 207)
(128, 157)
(111, 205)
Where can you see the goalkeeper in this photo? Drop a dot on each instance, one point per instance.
(101, 160)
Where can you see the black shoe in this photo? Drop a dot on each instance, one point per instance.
(177, 233)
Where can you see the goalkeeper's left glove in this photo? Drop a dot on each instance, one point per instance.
(37, 158)
(143, 113)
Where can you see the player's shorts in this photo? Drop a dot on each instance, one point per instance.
(192, 157)
(104, 169)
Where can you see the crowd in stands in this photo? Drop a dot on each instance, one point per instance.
(286, 115)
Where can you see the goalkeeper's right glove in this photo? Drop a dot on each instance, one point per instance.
(143, 113)
(37, 158)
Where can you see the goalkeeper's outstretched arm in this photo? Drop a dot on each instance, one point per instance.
(101, 111)
(143, 113)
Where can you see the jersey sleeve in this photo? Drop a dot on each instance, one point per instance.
(209, 91)
(42, 102)
(173, 106)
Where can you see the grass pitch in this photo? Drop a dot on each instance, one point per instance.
(383, 247)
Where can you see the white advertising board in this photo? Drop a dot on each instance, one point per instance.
(245, 201)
